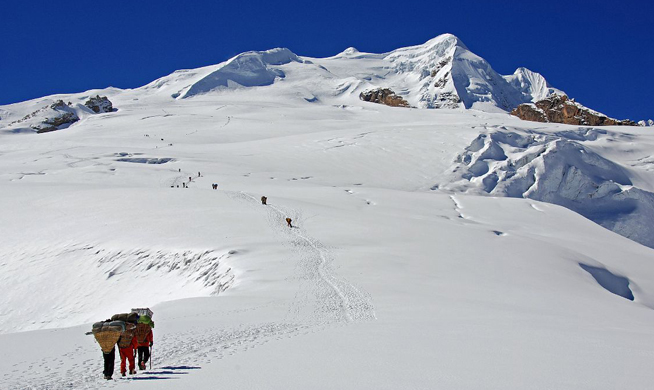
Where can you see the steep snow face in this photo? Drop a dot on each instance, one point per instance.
(479, 86)
(423, 72)
(444, 73)
(557, 168)
(251, 69)
(531, 85)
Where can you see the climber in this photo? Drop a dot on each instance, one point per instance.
(107, 334)
(144, 339)
(288, 221)
(126, 346)
(264, 200)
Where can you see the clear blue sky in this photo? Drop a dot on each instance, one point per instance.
(599, 52)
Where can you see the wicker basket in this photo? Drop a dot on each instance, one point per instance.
(142, 331)
(127, 336)
(107, 339)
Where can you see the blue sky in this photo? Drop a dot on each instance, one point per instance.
(599, 52)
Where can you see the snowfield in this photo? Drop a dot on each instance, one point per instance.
(432, 248)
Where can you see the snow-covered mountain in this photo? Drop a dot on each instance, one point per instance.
(441, 73)
(455, 248)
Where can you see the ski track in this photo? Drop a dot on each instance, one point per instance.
(323, 300)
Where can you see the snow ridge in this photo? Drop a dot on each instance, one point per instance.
(251, 69)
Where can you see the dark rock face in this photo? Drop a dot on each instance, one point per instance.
(99, 104)
(64, 117)
(383, 96)
(55, 123)
(559, 109)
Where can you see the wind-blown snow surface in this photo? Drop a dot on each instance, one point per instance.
(401, 273)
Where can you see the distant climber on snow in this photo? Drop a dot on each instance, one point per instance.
(288, 221)
(264, 200)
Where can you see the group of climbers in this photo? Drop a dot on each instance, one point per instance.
(133, 333)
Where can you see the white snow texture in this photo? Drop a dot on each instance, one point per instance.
(448, 245)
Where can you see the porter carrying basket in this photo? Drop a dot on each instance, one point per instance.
(107, 334)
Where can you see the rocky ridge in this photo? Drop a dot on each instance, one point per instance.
(99, 104)
(383, 96)
(560, 109)
(60, 115)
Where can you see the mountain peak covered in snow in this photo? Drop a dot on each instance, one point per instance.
(440, 73)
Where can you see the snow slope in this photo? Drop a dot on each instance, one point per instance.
(424, 254)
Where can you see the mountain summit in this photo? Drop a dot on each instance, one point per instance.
(440, 73)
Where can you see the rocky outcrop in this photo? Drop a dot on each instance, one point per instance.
(560, 109)
(383, 96)
(446, 100)
(99, 104)
(62, 116)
